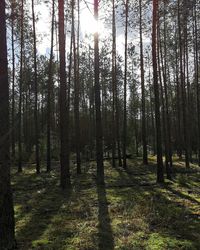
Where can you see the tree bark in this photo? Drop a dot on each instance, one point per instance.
(196, 56)
(7, 235)
(50, 92)
(183, 91)
(113, 83)
(13, 82)
(144, 139)
(125, 88)
(99, 136)
(64, 109)
(20, 89)
(36, 94)
(76, 89)
(160, 174)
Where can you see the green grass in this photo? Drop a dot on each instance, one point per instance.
(130, 212)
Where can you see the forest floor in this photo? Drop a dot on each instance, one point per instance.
(130, 212)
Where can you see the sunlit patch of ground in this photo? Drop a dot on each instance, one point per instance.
(130, 212)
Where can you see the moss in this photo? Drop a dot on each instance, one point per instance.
(132, 212)
(38, 244)
(157, 241)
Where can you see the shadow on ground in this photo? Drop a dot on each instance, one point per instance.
(130, 212)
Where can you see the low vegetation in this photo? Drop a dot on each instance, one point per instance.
(130, 212)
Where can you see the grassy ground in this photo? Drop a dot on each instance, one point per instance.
(130, 212)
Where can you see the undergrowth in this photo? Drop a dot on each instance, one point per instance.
(130, 212)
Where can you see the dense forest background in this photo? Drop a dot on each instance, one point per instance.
(117, 84)
(125, 81)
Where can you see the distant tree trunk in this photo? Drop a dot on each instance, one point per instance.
(125, 87)
(183, 91)
(50, 92)
(152, 120)
(136, 137)
(91, 106)
(164, 98)
(76, 89)
(7, 235)
(118, 126)
(178, 102)
(13, 83)
(36, 94)
(69, 71)
(168, 122)
(78, 93)
(113, 83)
(160, 174)
(189, 100)
(99, 136)
(20, 89)
(64, 111)
(196, 56)
(144, 139)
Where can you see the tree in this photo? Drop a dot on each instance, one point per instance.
(113, 83)
(7, 237)
(183, 91)
(125, 86)
(50, 92)
(144, 139)
(13, 5)
(99, 142)
(64, 116)
(160, 174)
(76, 88)
(36, 94)
(166, 104)
(20, 88)
(196, 58)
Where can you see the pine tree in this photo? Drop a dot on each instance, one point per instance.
(7, 237)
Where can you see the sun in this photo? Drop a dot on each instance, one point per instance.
(88, 24)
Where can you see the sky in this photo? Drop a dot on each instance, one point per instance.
(43, 26)
(88, 26)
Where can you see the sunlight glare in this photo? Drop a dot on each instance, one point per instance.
(88, 24)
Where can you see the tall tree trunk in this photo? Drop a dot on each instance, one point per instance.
(76, 89)
(189, 100)
(64, 109)
(160, 174)
(36, 94)
(152, 119)
(7, 237)
(183, 91)
(196, 56)
(91, 106)
(164, 98)
(144, 137)
(99, 136)
(168, 123)
(125, 87)
(13, 83)
(20, 89)
(50, 92)
(163, 108)
(178, 106)
(113, 83)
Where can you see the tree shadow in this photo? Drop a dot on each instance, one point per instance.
(177, 219)
(105, 234)
(181, 195)
(165, 216)
(38, 212)
(130, 178)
